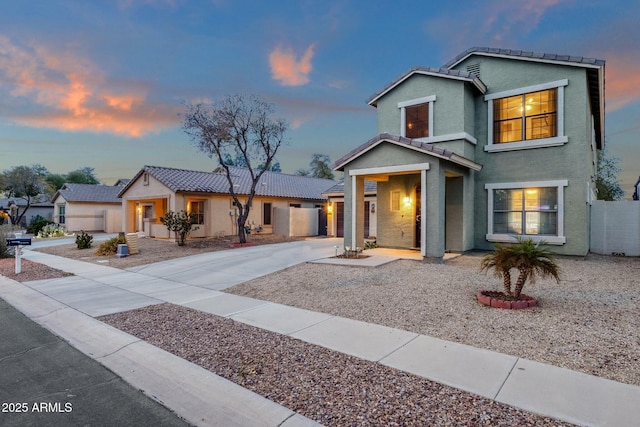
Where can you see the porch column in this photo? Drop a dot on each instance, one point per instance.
(423, 209)
(357, 211)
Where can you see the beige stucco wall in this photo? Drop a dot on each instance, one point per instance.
(87, 216)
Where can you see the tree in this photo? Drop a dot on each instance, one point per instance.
(607, 184)
(84, 175)
(237, 127)
(526, 256)
(23, 182)
(181, 223)
(319, 167)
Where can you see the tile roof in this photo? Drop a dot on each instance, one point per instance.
(439, 72)
(526, 55)
(273, 184)
(89, 193)
(370, 187)
(424, 147)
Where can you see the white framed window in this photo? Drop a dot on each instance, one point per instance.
(416, 117)
(533, 209)
(528, 117)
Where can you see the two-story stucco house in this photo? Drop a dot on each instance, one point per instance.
(497, 144)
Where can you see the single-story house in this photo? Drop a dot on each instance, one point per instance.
(283, 204)
(88, 207)
(335, 210)
(39, 206)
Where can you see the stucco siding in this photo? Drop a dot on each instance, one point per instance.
(447, 106)
(571, 161)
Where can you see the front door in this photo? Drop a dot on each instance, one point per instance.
(340, 219)
(418, 204)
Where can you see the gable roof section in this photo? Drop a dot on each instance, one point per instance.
(429, 71)
(370, 188)
(89, 193)
(272, 184)
(580, 61)
(409, 143)
(594, 69)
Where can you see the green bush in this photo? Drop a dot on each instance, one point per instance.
(110, 247)
(181, 223)
(37, 224)
(52, 230)
(84, 240)
(5, 231)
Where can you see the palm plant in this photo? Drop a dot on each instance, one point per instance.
(526, 256)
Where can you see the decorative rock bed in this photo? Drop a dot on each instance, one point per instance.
(500, 300)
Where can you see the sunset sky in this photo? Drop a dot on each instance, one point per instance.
(102, 83)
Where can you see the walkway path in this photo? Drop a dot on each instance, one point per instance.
(67, 307)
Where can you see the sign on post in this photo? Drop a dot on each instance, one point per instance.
(19, 242)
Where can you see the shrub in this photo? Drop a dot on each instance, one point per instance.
(52, 230)
(110, 247)
(5, 230)
(84, 240)
(37, 224)
(181, 223)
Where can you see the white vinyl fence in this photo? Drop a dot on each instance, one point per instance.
(615, 228)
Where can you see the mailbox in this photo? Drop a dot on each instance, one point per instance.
(19, 241)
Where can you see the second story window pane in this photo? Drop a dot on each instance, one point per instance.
(417, 121)
(525, 117)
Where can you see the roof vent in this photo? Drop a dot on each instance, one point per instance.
(474, 69)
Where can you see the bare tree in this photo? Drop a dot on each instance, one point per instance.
(240, 128)
(23, 182)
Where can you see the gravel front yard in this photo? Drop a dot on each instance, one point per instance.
(590, 322)
(327, 386)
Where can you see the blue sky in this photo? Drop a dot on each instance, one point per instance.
(102, 83)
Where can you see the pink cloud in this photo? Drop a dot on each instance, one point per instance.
(506, 17)
(622, 87)
(64, 91)
(287, 69)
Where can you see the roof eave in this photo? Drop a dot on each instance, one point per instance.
(482, 88)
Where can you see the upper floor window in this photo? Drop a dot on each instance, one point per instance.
(417, 121)
(416, 116)
(524, 117)
(529, 117)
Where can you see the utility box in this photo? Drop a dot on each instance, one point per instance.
(123, 250)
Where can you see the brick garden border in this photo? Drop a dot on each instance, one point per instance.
(496, 299)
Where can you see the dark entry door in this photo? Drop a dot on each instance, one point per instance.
(366, 220)
(340, 219)
(418, 216)
(322, 222)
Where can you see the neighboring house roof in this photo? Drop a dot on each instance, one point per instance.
(370, 187)
(35, 202)
(594, 68)
(430, 71)
(413, 144)
(89, 193)
(122, 182)
(273, 184)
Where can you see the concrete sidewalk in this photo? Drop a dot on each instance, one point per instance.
(66, 306)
